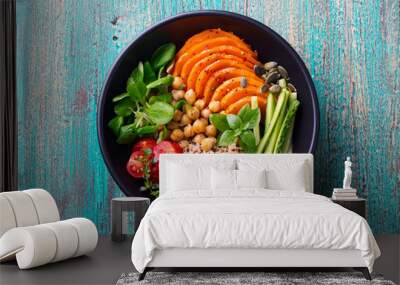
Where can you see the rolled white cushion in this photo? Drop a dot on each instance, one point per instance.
(46, 207)
(66, 238)
(7, 218)
(87, 235)
(37, 245)
(23, 208)
(33, 246)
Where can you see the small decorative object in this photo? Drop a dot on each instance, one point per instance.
(346, 193)
(347, 174)
(119, 214)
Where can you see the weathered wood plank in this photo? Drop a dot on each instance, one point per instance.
(65, 48)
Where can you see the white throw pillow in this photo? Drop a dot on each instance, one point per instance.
(281, 174)
(251, 178)
(291, 179)
(186, 176)
(224, 179)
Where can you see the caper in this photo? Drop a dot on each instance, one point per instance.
(270, 64)
(259, 70)
(272, 77)
(283, 72)
(291, 87)
(243, 82)
(275, 89)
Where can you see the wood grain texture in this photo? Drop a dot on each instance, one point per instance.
(65, 49)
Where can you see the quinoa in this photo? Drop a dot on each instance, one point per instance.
(195, 148)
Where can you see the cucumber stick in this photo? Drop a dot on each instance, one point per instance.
(256, 130)
(288, 145)
(280, 106)
(275, 134)
(271, 103)
(284, 132)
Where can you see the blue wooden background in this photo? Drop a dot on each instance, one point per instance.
(65, 48)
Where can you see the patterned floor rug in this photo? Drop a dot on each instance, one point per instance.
(244, 278)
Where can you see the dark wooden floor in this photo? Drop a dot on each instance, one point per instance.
(103, 266)
(111, 259)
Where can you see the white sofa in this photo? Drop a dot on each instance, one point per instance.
(31, 231)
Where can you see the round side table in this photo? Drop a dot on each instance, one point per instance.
(119, 213)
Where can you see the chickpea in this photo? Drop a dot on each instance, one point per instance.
(190, 96)
(188, 131)
(200, 104)
(178, 83)
(178, 115)
(211, 131)
(215, 106)
(172, 125)
(198, 138)
(183, 144)
(193, 113)
(178, 94)
(185, 120)
(176, 135)
(204, 121)
(199, 127)
(207, 144)
(205, 113)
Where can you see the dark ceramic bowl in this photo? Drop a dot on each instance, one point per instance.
(270, 46)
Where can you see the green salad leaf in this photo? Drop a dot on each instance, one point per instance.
(227, 138)
(163, 55)
(120, 97)
(138, 73)
(125, 107)
(220, 122)
(163, 81)
(178, 105)
(147, 130)
(248, 141)
(234, 121)
(115, 124)
(127, 134)
(233, 127)
(167, 98)
(149, 74)
(137, 91)
(163, 134)
(160, 112)
(250, 117)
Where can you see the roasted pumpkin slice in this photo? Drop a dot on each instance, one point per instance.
(239, 93)
(222, 75)
(235, 107)
(206, 62)
(211, 43)
(230, 84)
(183, 69)
(205, 35)
(206, 73)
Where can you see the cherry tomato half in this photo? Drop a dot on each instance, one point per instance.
(135, 165)
(143, 144)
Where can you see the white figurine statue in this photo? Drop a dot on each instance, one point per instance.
(347, 174)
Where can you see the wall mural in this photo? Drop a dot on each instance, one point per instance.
(65, 50)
